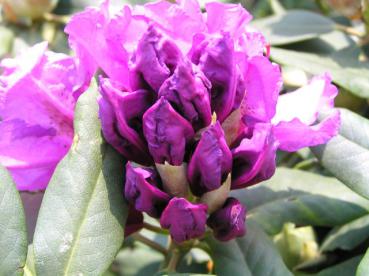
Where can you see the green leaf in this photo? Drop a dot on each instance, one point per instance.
(346, 156)
(138, 261)
(13, 232)
(347, 267)
(302, 198)
(345, 70)
(293, 26)
(347, 236)
(81, 221)
(363, 268)
(254, 254)
(287, 184)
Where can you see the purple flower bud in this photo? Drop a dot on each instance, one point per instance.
(166, 132)
(121, 115)
(188, 92)
(229, 221)
(216, 59)
(141, 190)
(254, 158)
(134, 221)
(210, 163)
(155, 59)
(183, 219)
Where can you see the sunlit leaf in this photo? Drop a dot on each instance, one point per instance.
(81, 221)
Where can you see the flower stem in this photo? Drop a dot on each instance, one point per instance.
(150, 243)
(349, 30)
(174, 259)
(154, 228)
(306, 164)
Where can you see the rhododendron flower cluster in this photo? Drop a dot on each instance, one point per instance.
(38, 92)
(192, 102)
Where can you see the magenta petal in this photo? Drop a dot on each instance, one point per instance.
(141, 190)
(294, 135)
(180, 20)
(298, 111)
(184, 220)
(155, 59)
(134, 221)
(231, 18)
(252, 43)
(229, 221)
(120, 113)
(254, 158)
(188, 92)
(166, 132)
(88, 36)
(38, 92)
(263, 82)
(210, 163)
(307, 102)
(216, 58)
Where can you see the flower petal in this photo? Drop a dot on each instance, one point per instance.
(263, 83)
(180, 20)
(216, 58)
(141, 190)
(188, 92)
(298, 111)
(295, 135)
(121, 115)
(38, 92)
(231, 18)
(229, 221)
(90, 35)
(254, 158)
(183, 219)
(155, 59)
(210, 163)
(166, 132)
(306, 103)
(134, 221)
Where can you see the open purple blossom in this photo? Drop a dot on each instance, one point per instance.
(192, 95)
(35, 137)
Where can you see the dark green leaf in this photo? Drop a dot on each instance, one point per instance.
(302, 198)
(81, 221)
(138, 261)
(13, 233)
(254, 254)
(346, 71)
(347, 267)
(293, 26)
(347, 236)
(347, 155)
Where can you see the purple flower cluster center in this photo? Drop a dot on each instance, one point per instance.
(187, 97)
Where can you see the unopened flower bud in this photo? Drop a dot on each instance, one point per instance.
(229, 221)
(166, 132)
(184, 220)
(141, 190)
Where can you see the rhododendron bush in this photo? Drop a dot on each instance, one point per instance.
(183, 137)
